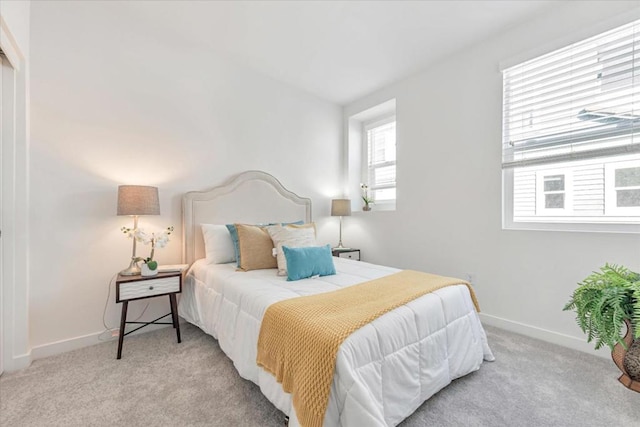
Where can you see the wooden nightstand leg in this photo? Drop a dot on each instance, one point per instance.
(174, 315)
(123, 321)
(173, 310)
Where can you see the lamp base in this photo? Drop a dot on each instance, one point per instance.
(132, 270)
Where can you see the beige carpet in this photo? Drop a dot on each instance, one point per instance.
(161, 383)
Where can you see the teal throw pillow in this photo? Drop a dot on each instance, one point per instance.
(233, 231)
(309, 261)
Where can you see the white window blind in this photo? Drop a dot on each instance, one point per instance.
(579, 102)
(381, 154)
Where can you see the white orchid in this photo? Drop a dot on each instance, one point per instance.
(159, 241)
(130, 232)
(162, 240)
(365, 194)
(142, 236)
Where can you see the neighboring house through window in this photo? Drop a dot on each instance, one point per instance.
(571, 136)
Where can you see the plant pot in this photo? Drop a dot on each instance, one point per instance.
(632, 361)
(628, 360)
(146, 271)
(366, 208)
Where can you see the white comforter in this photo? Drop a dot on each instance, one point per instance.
(384, 371)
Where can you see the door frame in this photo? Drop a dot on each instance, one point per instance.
(14, 217)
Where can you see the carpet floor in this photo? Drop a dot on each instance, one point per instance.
(161, 383)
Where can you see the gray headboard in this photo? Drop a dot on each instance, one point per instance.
(252, 197)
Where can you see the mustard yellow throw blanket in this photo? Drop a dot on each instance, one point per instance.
(299, 337)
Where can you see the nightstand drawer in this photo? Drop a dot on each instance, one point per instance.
(349, 254)
(147, 288)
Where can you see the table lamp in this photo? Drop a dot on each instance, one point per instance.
(137, 200)
(340, 207)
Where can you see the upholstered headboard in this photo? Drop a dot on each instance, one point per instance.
(252, 197)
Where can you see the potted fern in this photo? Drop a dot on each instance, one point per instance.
(604, 303)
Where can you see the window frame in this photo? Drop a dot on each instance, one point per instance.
(366, 171)
(610, 189)
(543, 211)
(622, 222)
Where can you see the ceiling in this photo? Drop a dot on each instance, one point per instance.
(337, 50)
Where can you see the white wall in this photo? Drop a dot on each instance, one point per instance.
(117, 101)
(448, 217)
(15, 13)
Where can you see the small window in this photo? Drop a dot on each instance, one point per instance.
(622, 183)
(553, 196)
(554, 191)
(380, 148)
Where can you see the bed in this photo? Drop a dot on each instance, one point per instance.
(384, 371)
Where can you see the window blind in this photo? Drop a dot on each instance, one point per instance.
(381, 149)
(579, 102)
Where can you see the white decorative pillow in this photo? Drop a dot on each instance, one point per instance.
(218, 245)
(293, 236)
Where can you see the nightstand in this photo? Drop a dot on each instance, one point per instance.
(131, 288)
(346, 253)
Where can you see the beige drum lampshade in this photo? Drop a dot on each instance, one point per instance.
(138, 200)
(341, 207)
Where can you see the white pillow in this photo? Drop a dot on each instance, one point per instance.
(218, 244)
(293, 236)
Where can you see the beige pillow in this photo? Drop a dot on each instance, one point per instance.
(256, 248)
(293, 236)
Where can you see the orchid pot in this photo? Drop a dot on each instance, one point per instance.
(149, 268)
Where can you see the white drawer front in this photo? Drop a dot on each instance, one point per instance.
(146, 288)
(350, 255)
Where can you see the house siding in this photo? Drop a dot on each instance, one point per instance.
(587, 195)
(588, 190)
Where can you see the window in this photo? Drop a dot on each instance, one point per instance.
(571, 134)
(380, 169)
(371, 156)
(553, 195)
(622, 195)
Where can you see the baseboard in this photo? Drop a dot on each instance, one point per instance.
(58, 347)
(63, 346)
(544, 335)
(17, 362)
(568, 341)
